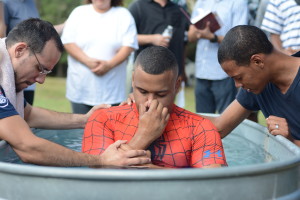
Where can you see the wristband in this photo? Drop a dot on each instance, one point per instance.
(215, 39)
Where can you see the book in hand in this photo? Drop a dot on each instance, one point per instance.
(204, 17)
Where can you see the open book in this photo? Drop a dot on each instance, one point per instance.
(205, 16)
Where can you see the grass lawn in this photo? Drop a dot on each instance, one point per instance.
(51, 95)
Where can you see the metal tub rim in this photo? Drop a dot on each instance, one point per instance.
(144, 174)
(171, 174)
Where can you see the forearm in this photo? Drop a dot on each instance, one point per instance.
(42, 152)
(76, 52)
(192, 34)
(276, 41)
(33, 149)
(233, 115)
(48, 119)
(145, 39)
(121, 55)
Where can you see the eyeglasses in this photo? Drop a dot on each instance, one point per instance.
(42, 70)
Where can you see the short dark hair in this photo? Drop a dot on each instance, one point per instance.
(36, 33)
(113, 3)
(156, 60)
(241, 42)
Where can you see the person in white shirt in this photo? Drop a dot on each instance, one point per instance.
(99, 37)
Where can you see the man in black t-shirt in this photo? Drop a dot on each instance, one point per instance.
(152, 17)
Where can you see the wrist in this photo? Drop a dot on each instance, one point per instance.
(214, 39)
(140, 141)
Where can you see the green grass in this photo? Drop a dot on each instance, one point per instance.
(51, 95)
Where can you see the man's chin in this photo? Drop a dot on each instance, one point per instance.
(20, 88)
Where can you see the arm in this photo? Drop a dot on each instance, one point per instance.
(59, 28)
(120, 56)
(195, 34)
(47, 119)
(276, 41)
(74, 50)
(2, 21)
(153, 39)
(207, 148)
(234, 114)
(36, 150)
(279, 126)
(152, 123)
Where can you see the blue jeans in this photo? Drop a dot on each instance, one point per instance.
(79, 108)
(214, 95)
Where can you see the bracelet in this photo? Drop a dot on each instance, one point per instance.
(215, 39)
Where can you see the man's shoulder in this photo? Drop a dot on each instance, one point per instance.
(184, 114)
(113, 111)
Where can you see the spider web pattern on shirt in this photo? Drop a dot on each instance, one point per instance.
(188, 140)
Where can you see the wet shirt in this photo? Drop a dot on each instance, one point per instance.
(187, 141)
(272, 102)
(6, 108)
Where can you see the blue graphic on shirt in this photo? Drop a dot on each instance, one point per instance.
(207, 154)
(3, 100)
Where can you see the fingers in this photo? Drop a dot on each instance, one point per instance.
(137, 157)
(142, 109)
(277, 126)
(117, 144)
(138, 161)
(135, 153)
(102, 106)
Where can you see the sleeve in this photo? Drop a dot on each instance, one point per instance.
(6, 108)
(70, 28)
(207, 146)
(98, 134)
(133, 9)
(240, 16)
(273, 20)
(129, 31)
(247, 100)
(6, 14)
(196, 9)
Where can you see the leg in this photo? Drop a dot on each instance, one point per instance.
(224, 92)
(204, 98)
(80, 108)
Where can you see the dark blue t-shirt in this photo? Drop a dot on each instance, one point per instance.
(272, 102)
(6, 108)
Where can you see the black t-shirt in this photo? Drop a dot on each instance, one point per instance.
(151, 18)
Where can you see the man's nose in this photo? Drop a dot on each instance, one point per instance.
(40, 79)
(150, 97)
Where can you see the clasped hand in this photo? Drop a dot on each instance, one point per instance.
(278, 126)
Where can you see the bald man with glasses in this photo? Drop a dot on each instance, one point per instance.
(27, 55)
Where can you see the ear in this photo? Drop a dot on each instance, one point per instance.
(257, 60)
(178, 84)
(20, 49)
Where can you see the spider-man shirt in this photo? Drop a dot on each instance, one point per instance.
(188, 140)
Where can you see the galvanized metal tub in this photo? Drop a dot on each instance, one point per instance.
(276, 177)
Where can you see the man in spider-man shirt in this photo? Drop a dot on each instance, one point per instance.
(176, 137)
